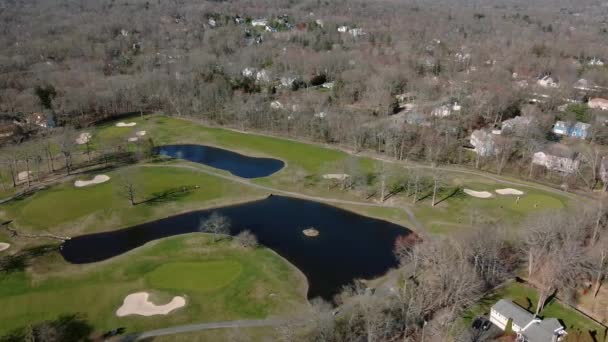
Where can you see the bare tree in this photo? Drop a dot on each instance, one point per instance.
(127, 187)
(246, 239)
(67, 144)
(216, 224)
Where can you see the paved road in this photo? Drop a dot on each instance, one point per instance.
(205, 326)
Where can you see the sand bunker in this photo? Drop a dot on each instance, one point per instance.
(133, 139)
(124, 124)
(138, 304)
(311, 232)
(23, 175)
(83, 138)
(338, 176)
(509, 191)
(478, 194)
(4, 246)
(96, 180)
(140, 133)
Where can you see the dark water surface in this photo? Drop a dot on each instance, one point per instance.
(349, 246)
(235, 163)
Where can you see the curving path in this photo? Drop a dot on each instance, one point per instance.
(418, 225)
(207, 326)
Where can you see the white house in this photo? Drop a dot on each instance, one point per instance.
(557, 158)
(547, 82)
(518, 125)
(276, 105)
(595, 62)
(527, 327)
(484, 143)
(442, 111)
(356, 32)
(259, 22)
(343, 29)
(598, 103)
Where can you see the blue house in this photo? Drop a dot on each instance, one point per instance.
(576, 130)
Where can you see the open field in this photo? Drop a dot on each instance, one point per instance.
(220, 282)
(68, 210)
(575, 323)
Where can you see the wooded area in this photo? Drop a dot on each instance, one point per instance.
(412, 80)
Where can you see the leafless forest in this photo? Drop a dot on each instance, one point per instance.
(377, 75)
(411, 80)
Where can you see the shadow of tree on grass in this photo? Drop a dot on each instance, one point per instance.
(66, 328)
(20, 261)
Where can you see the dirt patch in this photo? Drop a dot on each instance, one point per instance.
(509, 191)
(138, 304)
(83, 138)
(478, 194)
(311, 232)
(96, 180)
(338, 176)
(124, 124)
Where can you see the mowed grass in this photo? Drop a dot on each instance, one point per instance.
(579, 327)
(167, 130)
(208, 276)
(220, 281)
(461, 211)
(65, 208)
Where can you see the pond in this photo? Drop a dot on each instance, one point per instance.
(235, 163)
(349, 246)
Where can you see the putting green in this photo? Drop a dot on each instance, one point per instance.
(204, 277)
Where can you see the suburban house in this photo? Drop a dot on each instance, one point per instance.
(557, 157)
(442, 111)
(598, 103)
(575, 130)
(259, 22)
(484, 143)
(519, 125)
(528, 327)
(547, 82)
(604, 172)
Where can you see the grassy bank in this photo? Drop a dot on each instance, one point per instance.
(220, 282)
(70, 210)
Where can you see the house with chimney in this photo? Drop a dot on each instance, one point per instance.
(526, 326)
(557, 157)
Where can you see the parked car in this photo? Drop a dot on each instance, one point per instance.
(486, 325)
(477, 323)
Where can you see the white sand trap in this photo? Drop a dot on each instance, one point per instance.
(133, 139)
(509, 191)
(83, 138)
(4, 246)
(338, 176)
(96, 180)
(478, 194)
(138, 304)
(124, 124)
(23, 175)
(140, 133)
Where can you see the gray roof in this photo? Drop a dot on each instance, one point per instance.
(519, 316)
(543, 331)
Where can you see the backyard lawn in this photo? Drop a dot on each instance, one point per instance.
(579, 327)
(220, 281)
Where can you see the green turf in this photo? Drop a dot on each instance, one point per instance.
(101, 207)
(208, 276)
(235, 283)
